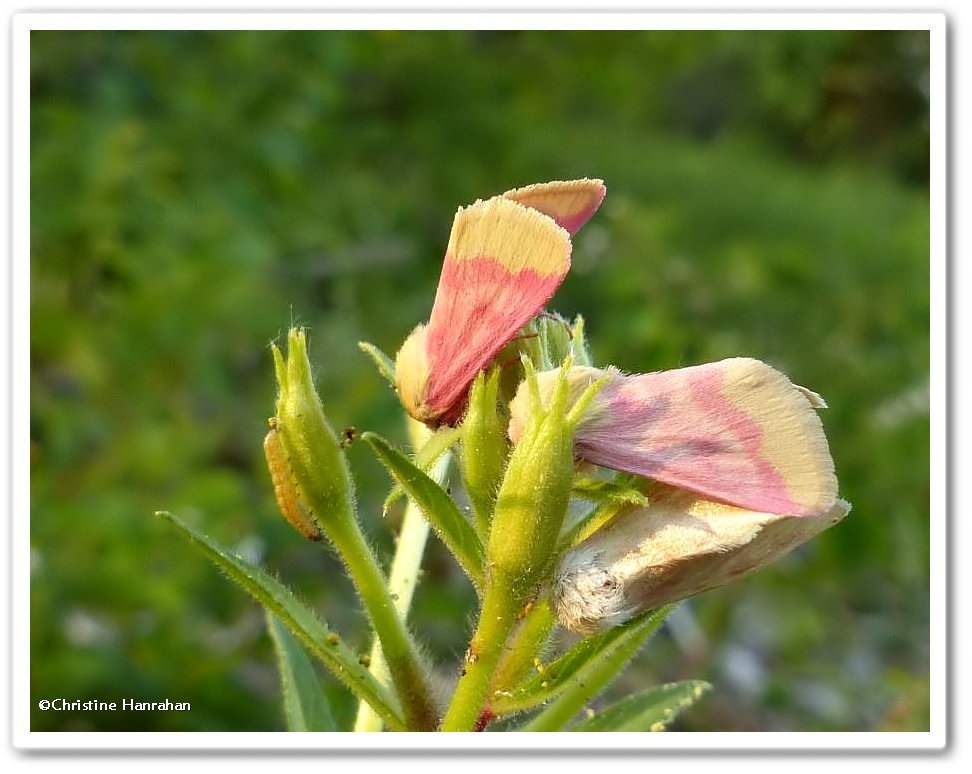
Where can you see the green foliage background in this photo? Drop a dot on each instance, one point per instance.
(192, 194)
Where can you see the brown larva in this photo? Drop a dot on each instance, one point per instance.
(284, 488)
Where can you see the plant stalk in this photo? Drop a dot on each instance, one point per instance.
(411, 684)
(525, 645)
(403, 576)
(496, 621)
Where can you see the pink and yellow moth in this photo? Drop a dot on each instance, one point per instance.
(737, 431)
(678, 546)
(571, 203)
(506, 257)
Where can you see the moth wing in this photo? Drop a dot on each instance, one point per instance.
(737, 431)
(571, 203)
(503, 263)
(679, 546)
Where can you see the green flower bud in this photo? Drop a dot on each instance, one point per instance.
(547, 340)
(319, 467)
(533, 497)
(554, 333)
(484, 447)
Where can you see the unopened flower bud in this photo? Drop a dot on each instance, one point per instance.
(311, 447)
(678, 546)
(554, 337)
(484, 445)
(533, 497)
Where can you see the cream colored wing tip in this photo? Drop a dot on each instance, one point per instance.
(578, 182)
(815, 399)
(511, 206)
(840, 510)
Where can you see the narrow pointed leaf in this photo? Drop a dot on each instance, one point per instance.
(428, 454)
(621, 490)
(525, 644)
(543, 686)
(404, 572)
(651, 710)
(441, 511)
(589, 678)
(302, 621)
(578, 343)
(588, 524)
(610, 496)
(305, 704)
(384, 364)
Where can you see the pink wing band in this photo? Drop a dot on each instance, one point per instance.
(480, 305)
(679, 427)
(574, 221)
(570, 203)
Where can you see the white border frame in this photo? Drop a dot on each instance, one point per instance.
(934, 739)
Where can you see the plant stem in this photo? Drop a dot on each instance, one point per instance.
(597, 674)
(403, 576)
(401, 584)
(496, 620)
(399, 651)
(525, 645)
(320, 474)
(482, 523)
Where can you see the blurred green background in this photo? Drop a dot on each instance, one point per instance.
(193, 194)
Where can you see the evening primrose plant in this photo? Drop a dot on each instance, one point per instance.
(596, 499)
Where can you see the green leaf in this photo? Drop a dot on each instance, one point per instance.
(578, 343)
(588, 524)
(384, 364)
(547, 684)
(300, 619)
(441, 511)
(611, 497)
(588, 673)
(484, 448)
(437, 444)
(525, 644)
(651, 710)
(305, 704)
(625, 490)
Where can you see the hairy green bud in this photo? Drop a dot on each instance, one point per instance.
(317, 461)
(533, 497)
(484, 448)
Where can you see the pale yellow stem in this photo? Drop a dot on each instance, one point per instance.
(404, 571)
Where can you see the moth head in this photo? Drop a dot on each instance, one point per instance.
(412, 375)
(586, 595)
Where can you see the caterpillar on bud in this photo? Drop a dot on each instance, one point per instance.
(284, 488)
